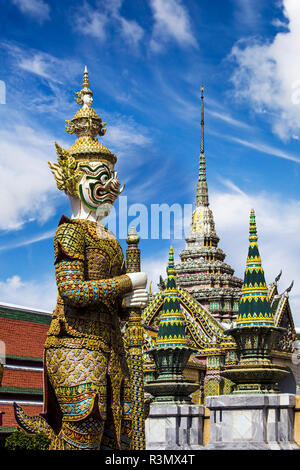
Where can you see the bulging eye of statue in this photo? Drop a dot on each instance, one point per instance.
(104, 178)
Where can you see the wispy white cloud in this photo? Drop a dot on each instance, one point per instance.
(267, 74)
(31, 66)
(96, 21)
(247, 13)
(29, 241)
(37, 9)
(126, 138)
(131, 30)
(265, 148)
(260, 147)
(231, 186)
(171, 22)
(189, 109)
(26, 184)
(228, 119)
(90, 21)
(123, 133)
(47, 66)
(15, 290)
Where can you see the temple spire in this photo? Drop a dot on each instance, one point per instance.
(202, 190)
(171, 351)
(254, 308)
(171, 332)
(202, 121)
(202, 270)
(255, 333)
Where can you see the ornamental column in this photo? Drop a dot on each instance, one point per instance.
(134, 340)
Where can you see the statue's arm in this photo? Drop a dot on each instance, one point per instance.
(75, 290)
(69, 269)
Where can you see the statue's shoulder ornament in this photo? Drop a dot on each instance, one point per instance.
(69, 240)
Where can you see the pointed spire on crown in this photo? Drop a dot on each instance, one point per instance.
(85, 95)
(85, 82)
(86, 122)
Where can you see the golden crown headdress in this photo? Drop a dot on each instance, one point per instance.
(86, 125)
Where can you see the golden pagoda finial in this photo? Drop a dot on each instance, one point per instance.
(132, 237)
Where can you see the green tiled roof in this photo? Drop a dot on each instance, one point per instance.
(15, 314)
(254, 307)
(20, 390)
(12, 357)
(171, 330)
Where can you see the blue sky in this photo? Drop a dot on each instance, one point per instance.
(147, 61)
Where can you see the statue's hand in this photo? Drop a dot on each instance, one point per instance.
(136, 298)
(138, 280)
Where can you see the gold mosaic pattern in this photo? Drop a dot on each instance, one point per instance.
(212, 387)
(79, 281)
(85, 435)
(86, 148)
(71, 367)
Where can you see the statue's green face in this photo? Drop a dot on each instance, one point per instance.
(99, 185)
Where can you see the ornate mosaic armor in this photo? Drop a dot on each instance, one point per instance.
(84, 353)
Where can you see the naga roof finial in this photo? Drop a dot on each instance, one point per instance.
(278, 276)
(286, 292)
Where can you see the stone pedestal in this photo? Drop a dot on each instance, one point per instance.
(248, 422)
(174, 427)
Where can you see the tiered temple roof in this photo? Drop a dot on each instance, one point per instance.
(255, 308)
(202, 270)
(171, 332)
